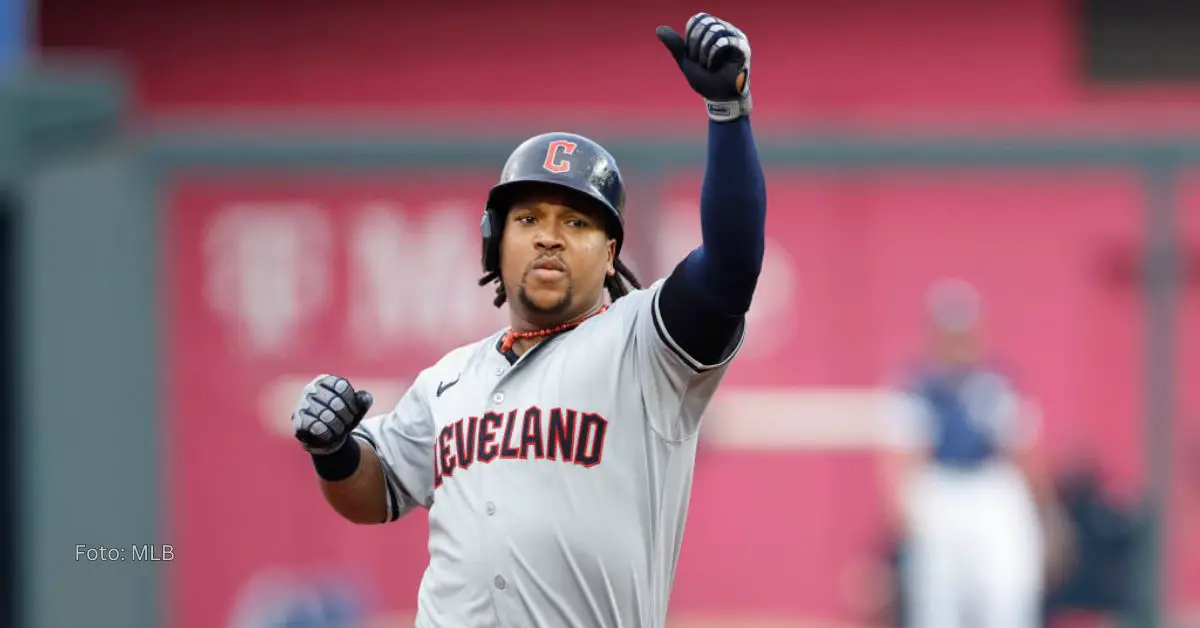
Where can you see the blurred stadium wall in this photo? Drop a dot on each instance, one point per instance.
(178, 165)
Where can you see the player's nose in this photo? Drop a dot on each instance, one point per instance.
(548, 237)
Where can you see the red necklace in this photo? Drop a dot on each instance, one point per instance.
(512, 336)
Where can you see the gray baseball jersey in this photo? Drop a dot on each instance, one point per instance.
(557, 485)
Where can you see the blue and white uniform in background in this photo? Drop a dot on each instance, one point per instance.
(974, 540)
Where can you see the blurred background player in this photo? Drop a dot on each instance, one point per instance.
(957, 449)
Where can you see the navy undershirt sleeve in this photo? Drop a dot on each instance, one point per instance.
(704, 301)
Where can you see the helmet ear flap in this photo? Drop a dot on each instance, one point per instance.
(489, 228)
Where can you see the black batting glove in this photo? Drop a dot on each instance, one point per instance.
(328, 410)
(715, 58)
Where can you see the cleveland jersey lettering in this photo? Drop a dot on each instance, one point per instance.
(564, 435)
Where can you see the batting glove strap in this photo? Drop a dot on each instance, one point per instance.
(729, 110)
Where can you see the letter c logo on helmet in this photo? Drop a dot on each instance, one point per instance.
(555, 162)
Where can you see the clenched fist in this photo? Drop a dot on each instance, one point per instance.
(714, 56)
(328, 410)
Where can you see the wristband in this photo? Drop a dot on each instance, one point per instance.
(339, 464)
(728, 111)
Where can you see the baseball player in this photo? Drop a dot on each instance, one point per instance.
(555, 457)
(958, 453)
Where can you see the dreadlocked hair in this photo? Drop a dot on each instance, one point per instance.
(618, 285)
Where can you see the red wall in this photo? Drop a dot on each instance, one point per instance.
(832, 58)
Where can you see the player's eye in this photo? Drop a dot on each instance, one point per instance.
(578, 223)
(525, 219)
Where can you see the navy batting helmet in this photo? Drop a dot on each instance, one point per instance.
(565, 160)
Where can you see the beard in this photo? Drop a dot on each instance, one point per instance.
(556, 309)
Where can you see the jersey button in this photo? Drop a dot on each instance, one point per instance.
(500, 584)
(491, 509)
(498, 398)
(499, 370)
